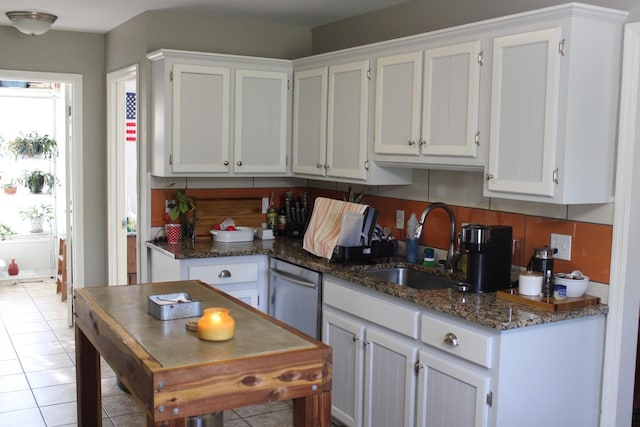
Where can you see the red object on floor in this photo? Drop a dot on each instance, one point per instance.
(13, 267)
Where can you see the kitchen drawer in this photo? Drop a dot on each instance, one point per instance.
(465, 342)
(376, 310)
(225, 273)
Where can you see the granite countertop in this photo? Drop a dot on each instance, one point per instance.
(483, 309)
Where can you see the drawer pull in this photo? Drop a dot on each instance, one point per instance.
(224, 274)
(451, 340)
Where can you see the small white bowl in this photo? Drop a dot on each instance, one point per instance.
(575, 282)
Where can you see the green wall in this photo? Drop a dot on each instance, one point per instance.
(421, 16)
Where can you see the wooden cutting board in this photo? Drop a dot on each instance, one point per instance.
(245, 212)
(548, 304)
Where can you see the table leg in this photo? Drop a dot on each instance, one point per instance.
(88, 390)
(312, 411)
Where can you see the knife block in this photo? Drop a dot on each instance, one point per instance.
(295, 230)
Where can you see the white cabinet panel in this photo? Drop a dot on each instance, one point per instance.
(450, 394)
(200, 121)
(347, 120)
(261, 110)
(524, 114)
(310, 122)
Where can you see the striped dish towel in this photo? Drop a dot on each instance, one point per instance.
(323, 230)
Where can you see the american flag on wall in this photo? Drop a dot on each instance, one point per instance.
(130, 120)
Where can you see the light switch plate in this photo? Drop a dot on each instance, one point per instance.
(265, 204)
(400, 220)
(562, 243)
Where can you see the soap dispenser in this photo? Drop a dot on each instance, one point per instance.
(412, 240)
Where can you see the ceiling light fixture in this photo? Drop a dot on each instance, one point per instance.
(32, 23)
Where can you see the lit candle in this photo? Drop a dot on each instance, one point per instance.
(216, 325)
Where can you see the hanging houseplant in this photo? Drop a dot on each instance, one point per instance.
(33, 145)
(35, 180)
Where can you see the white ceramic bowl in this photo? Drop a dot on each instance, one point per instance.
(576, 284)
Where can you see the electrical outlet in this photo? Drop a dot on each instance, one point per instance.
(265, 204)
(400, 220)
(561, 243)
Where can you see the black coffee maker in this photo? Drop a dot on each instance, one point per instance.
(488, 251)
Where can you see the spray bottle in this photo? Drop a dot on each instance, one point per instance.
(412, 239)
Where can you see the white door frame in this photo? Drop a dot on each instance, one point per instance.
(624, 291)
(116, 221)
(74, 172)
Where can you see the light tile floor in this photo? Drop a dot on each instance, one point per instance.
(37, 368)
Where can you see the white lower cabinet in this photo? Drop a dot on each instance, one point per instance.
(242, 277)
(450, 394)
(397, 364)
(373, 372)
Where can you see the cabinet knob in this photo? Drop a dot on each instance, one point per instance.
(239, 163)
(319, 165)
(417, 366)
(423, 142)
(488, 176)
(326, 166)
(451, 340)
(355, 338)
(411, 142)
(224, 274)
(226, 163)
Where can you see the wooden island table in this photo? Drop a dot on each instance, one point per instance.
(174, 375)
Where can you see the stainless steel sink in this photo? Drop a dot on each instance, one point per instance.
(413, 278)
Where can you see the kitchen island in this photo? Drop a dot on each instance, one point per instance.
(175, 375)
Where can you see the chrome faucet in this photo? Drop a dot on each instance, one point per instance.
(451, 255)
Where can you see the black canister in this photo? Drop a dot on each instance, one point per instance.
(542, 261)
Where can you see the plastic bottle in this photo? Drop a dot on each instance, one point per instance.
(272, 215)
(412, 240)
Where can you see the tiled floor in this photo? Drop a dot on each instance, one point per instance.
(37, 368)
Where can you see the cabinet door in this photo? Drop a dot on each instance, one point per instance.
(200, 140)
(390, 380)
(310, 121)
(261, 111)
(247, 294)
(451, 97)
(345, 336)
(450, 394)
(524, 113)
(398, 103)
(347, 120)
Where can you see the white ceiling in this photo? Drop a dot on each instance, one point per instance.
(100, 16)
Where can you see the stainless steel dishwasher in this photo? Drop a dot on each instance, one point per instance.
(294, 296)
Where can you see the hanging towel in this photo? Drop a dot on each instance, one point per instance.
(323, 230)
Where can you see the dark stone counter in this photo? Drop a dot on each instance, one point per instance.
(482, 309)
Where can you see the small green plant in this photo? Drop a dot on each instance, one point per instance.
(353, 197)
(10, 187)
(37, 211)
(33, 145)
(35, 180)
(183, 205)
(6, 232)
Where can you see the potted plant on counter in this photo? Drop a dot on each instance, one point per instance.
(37, 215)
(35, 180)
(178, 217)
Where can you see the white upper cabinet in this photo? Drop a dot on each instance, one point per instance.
(331, 107)
(217, 115)
(261, 125)
(310, 122)
(427, 105)
(200, 119)
(554, 106)
(347, 120)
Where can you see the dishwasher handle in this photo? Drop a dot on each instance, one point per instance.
(293, 279)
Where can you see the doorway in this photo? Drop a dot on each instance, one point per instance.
(67, 125)
(122, 175)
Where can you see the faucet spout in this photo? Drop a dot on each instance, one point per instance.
(452, 235)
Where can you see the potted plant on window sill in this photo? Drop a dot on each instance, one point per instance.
(10, 187)
(178, 217)
(6, 232)
(33, 145)
(35, 180)
(37, 215)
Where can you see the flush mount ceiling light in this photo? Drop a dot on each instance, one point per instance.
(32, 23)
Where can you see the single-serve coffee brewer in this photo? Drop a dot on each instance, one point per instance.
(488, 250)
